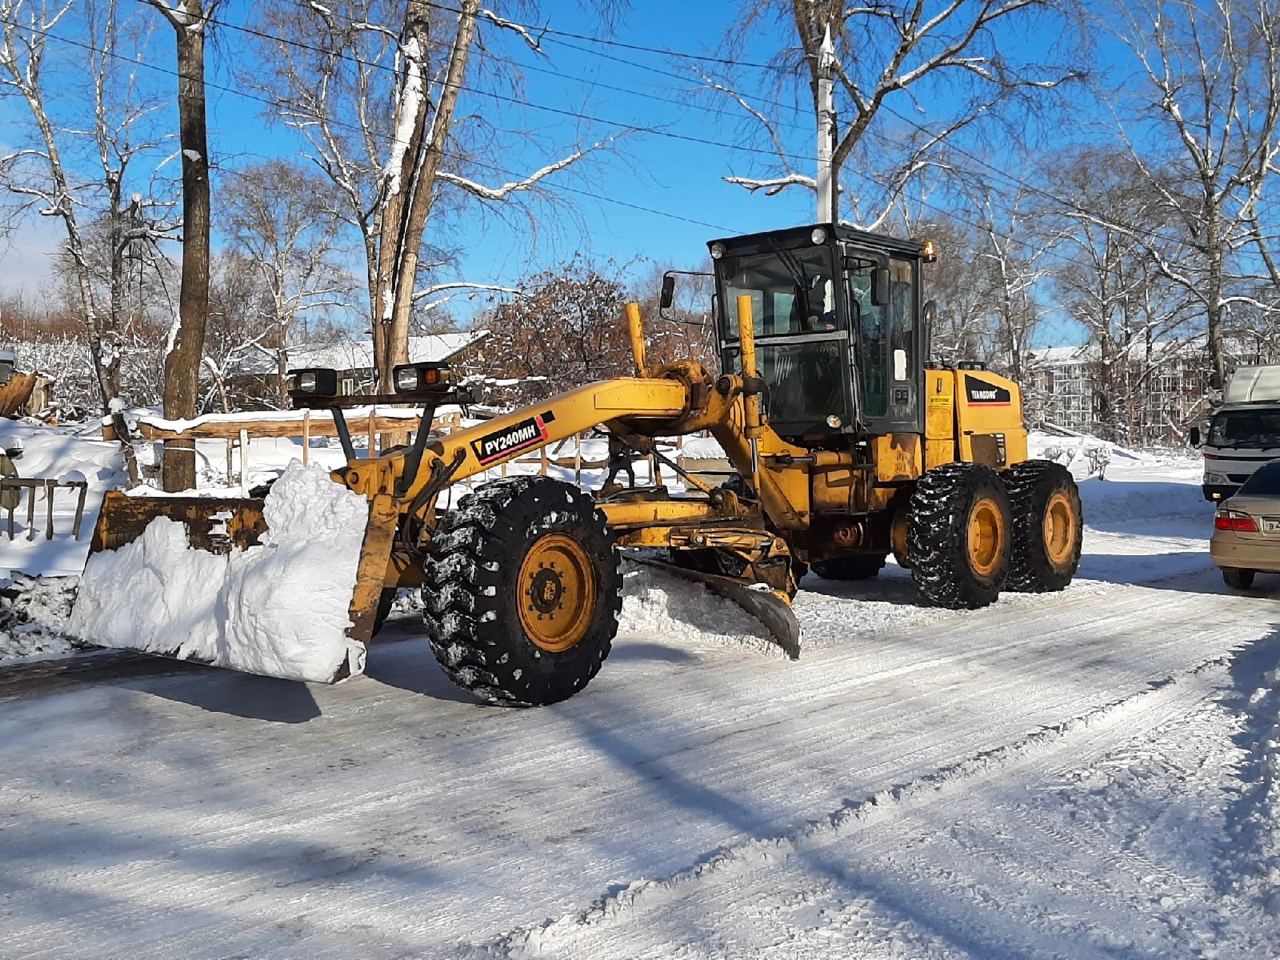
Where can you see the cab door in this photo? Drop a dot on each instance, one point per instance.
(888, 365)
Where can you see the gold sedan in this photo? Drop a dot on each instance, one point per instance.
(1246, 530)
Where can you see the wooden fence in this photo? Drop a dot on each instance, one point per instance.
(238, 432)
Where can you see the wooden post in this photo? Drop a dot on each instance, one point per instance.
(577, 459)
(543, 466)
(306, 437)
(231, 460)
(244, 463)
(373, 437)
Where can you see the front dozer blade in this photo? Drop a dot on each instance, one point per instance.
(215, 524)
(250, 612)
(758, 600)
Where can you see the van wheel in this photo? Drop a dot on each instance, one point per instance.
(1238, 579)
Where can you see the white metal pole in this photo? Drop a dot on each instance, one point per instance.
(826, 129)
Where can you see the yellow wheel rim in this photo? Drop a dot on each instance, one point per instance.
(557, 593)
(1060, 526)
(898, 536)
(986, 536)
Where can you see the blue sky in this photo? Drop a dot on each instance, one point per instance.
(645, 170)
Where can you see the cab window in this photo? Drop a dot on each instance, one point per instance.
(792, 291)
(886, 349)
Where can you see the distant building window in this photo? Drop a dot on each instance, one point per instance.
(348, 386)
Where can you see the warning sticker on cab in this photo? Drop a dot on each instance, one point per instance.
(510, 440)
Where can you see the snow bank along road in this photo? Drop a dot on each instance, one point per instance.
(1043, 778)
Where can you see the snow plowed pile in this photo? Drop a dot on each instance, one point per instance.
(277, 609)
(33, 615)
(657, 602)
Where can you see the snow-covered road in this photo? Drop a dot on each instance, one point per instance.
(700, 799)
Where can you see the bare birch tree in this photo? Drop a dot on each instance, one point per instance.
(276, 216)
(189, 20)
(1204, 128)
(1107, 280)
(111, 230)
(1015, 247)
(903, 52)
(374, 87)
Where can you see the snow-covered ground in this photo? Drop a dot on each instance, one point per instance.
(1089, 774)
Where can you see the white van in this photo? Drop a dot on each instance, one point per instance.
(1244, 433)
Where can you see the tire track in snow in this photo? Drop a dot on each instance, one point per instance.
(616, 907)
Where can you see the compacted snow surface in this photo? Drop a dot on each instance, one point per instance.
(277, 609)
(1090, 774)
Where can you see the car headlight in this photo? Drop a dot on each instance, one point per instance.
(1216, 478)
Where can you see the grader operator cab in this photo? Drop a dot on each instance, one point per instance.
(848, 446)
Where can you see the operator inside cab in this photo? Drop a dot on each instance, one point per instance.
(815, 309)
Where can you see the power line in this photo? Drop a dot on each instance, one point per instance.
(235, 91)
(621, 44)
(657, 131)
(266, 101)
(687, 55)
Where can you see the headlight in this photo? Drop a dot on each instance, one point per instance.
(316, 381)
(819, 235)
(717, 251)
(416, 377)
(1218, 478)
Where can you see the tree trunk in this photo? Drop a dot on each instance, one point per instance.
(182, 363)
(1213, 250)
(105, 338)
(405, 216)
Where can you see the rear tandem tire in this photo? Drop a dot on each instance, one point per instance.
(853, 566)
(1238, 579)
(958, 531)
(1048, 524)
(522, 593)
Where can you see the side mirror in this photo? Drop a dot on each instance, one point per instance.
(1194, 436)
(668, 291)
(926, 329)
(880, 287)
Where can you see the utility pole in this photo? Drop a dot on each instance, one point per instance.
(826, 130)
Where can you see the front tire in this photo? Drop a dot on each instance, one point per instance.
(958, 531)
(523, 591)
(1238, 579)
(1048, 525)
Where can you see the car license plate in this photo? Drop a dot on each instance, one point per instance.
(1271, 525)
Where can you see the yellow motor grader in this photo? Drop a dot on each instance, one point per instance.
(848, 446)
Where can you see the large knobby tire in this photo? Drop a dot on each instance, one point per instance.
(522, 593)
(852, 566)
(958, 532)
(1048, 524)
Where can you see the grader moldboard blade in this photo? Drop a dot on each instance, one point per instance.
(756, 599)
